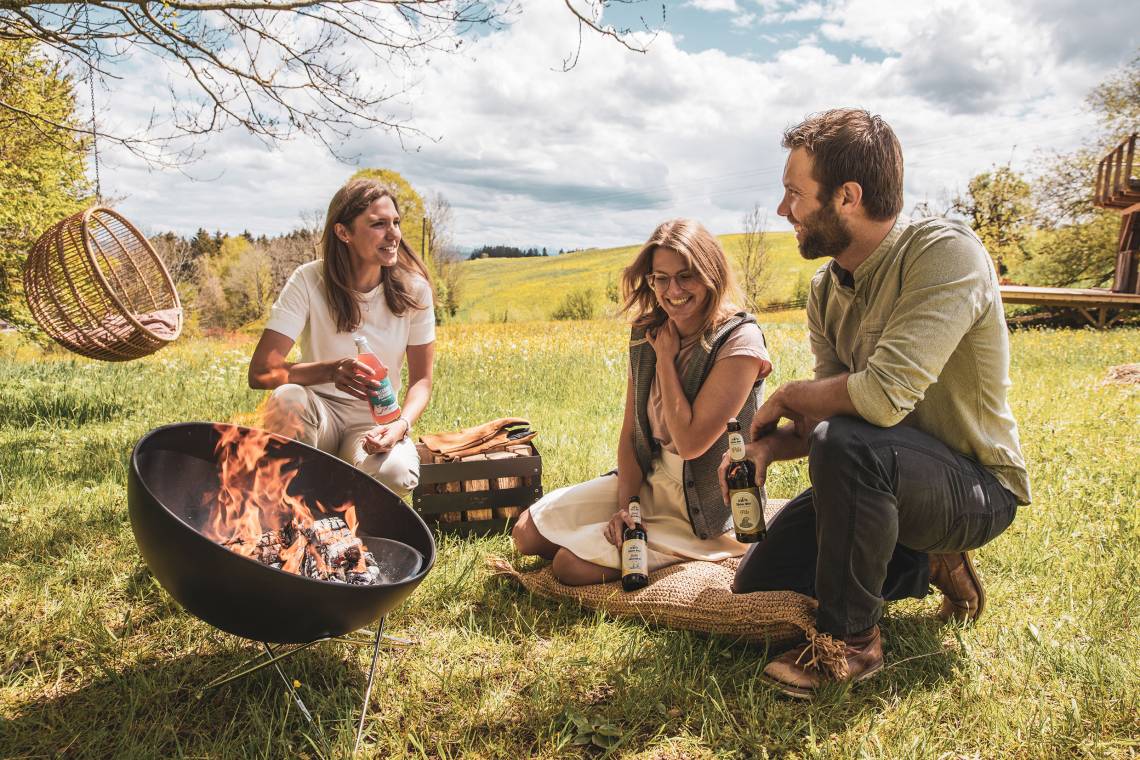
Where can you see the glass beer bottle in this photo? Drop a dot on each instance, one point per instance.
(745, 498)
(634, 551)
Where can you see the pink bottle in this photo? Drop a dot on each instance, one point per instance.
(382, 400)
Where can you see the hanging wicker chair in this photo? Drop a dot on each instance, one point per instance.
(95, 285)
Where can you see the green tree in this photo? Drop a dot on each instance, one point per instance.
(1078, 244)
(247, 280)
(41, 169)
(998, 207)
(233, 286)
(411, 203)
(577, 304)
(1117, 102)
(755, 270)
(443, 258)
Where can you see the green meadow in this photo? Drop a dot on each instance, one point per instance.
(97, 661)
(515, 290)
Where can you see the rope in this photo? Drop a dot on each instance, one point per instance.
(91, 87)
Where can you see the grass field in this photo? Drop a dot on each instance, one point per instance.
(529, 289)
(97, 661)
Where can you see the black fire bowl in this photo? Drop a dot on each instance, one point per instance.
(173, 467)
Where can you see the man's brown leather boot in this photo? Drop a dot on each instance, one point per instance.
(963, 597)
(800, 671)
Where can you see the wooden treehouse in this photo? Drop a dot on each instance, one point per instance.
(1117, 188)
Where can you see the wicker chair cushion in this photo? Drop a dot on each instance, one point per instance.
(691, 596)
(162, 324)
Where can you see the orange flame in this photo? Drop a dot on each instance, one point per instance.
(253, 498)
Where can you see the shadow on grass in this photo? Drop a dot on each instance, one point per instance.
(668, 683)
(713, 686)
(153, 709)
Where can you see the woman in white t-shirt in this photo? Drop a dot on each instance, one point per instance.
(694, 363)
(370, 283)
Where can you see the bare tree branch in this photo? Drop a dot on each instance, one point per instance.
(274, 68)
(591, 19)
(754, 267)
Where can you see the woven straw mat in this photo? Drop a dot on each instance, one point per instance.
(690, 596)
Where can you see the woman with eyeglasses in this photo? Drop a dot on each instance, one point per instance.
(695, 362)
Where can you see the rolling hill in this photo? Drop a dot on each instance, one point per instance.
(497, 290)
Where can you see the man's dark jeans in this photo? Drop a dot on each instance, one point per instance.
(881, 499)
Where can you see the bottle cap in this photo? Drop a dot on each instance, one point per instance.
(733, 425)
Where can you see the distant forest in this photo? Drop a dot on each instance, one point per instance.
(506, 252)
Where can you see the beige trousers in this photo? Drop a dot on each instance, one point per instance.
(338, 426)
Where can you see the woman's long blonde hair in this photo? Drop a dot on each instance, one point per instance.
(351, 201)
(705, 259)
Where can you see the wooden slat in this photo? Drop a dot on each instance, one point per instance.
(1116, 184)
(1072, 297)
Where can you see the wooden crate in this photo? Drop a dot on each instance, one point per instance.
(481, 494)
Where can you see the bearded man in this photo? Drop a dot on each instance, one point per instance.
(913, 452)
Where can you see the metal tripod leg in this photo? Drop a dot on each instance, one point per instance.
(270, 657)
(366, 638)
(245, 669)
(368, 688)
(288, 684)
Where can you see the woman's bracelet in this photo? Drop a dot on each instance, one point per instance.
(407, 424)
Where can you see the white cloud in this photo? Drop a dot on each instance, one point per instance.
(714, 5)
(528, 154)
(969, 55)
(806, 12)
(744, 20)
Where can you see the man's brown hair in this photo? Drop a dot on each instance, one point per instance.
(851, 145)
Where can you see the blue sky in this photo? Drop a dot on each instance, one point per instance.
(530, 155)
(738, 29)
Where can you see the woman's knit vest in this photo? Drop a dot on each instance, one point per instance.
(708, 514)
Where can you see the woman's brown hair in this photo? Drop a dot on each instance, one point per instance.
(705, 259)
(351, 201)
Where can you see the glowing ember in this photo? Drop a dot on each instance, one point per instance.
(253, 514)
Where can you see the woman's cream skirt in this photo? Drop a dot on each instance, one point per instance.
(576, 516)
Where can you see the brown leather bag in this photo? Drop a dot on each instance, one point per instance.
(490, 436)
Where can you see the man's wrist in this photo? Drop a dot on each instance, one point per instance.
(762, 452)
(785, 396)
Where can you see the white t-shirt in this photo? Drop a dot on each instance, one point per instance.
(302, 313)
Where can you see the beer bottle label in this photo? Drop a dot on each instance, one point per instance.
(634, 557)
(736, 446)
(746, 514)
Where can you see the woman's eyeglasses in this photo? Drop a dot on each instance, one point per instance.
(660, 282)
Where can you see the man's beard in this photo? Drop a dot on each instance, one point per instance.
(824, 234)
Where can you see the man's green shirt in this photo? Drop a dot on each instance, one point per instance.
(920, 327)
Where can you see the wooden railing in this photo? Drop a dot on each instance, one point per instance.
(795, 303)
(1117, 185)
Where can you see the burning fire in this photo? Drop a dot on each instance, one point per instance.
(252, 512)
